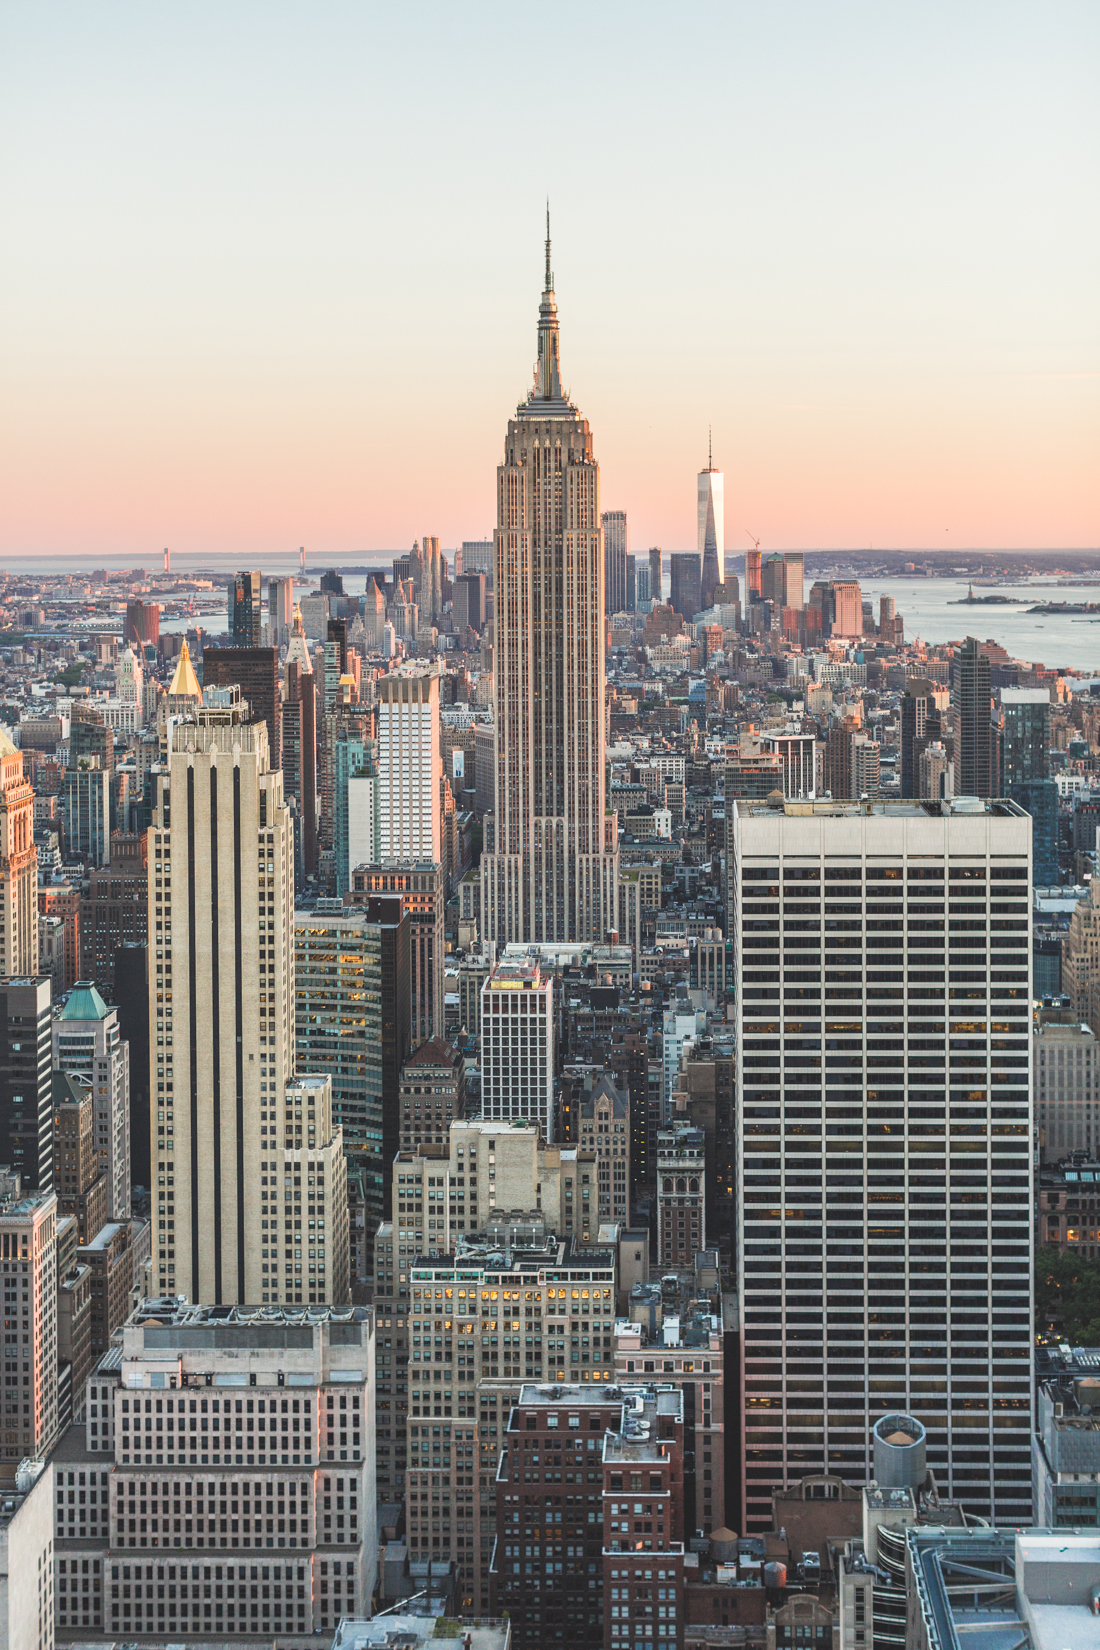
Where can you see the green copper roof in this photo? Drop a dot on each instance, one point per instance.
(85, 1003)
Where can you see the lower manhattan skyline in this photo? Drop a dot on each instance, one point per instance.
(550, 827)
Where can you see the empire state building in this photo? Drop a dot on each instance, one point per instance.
(550, 870)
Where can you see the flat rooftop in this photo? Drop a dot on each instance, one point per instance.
(163, 1311)
(829, 808)
(355, 1633)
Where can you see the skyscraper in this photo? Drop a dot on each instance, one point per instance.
(26, 1081)
(468, 602)
(299, 723)
(884, 1260)
(87, 1043)
(280, 611)
(517, 1030)
(711, 527)
(970, 699)
(616, 544)
(656, 579)
(28, 1244)
(920, 726)
(221, 973)
(752, 576)
(1027, 778)
(426, 572)
(550, 871)
(142, 622)
(245, 628)
(794, 580)
(685, 585)
(255, 670)
(422, 887)
(773, 580)
(410, 769)
(18, 866)
(848, 610)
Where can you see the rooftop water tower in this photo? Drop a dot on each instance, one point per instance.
(899, 1444)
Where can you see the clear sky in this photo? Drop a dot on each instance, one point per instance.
(269, 273)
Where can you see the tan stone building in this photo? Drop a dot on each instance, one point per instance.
(304, 1222)
(490, 1173)
(28, 1264)
(1081, 959)
(18, 867)
(550, 870)
(479, 1325)
(433, 1094)
(605, 1138)
(221, 994)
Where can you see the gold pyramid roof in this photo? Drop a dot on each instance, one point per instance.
(185, 684)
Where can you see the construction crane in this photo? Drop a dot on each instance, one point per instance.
(755, 542)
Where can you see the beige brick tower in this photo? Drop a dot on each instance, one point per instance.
(18, 866)
(221, 990)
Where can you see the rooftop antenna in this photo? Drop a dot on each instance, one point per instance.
(710, 448)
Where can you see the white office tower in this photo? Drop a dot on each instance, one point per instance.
(304, 1199)
(551, 866)
(884, 1141)
(240, 1500)
(710, 537)
(221, 995)
(87, 1042)
(517, 1045)
(410, 772)
(27, 1563)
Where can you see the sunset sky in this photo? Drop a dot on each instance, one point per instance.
(269, 274)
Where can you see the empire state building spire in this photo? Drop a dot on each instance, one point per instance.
(550, 867)
(547, 385)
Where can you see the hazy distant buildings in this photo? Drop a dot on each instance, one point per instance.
(280, 611)
(710, 529)
(468, 602)
(616, 544)
(970, 697)
(847, 608)
(477, 557)
(550, 869)
(142, 622)
(752, 576)
(245, 627)
(920, 726)
(1027, 780)
(686, 586)
(656, 580)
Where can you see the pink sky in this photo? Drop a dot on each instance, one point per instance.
(270, 275)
